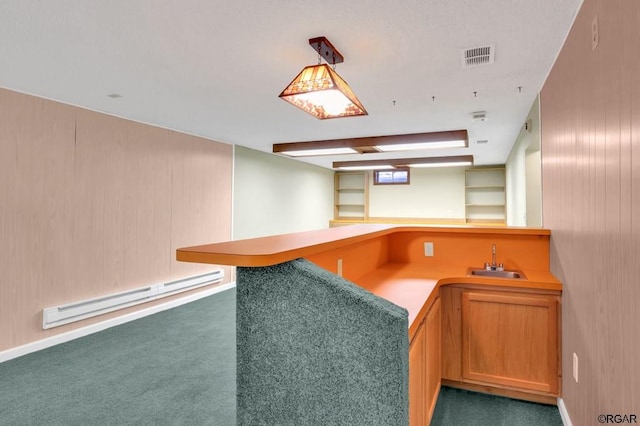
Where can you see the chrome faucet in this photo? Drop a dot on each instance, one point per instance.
(494, 265)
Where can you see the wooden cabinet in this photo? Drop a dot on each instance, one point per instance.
(507, 341)
(451, 303)
(417, 377)
(424, 368)
(510, 339)
(485, 196)
(433, 358)
(351, 195)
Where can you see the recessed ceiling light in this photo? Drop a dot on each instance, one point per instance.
(114, 96)
(369, 167)
(319, 151)
(450, 161)
(423, 145)
(375, 144)
(447, 164)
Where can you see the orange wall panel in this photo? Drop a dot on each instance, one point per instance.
(520, 252)
(473, 250)
(357, 259)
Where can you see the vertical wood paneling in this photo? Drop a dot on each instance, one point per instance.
(201, 176)
(591, 201)
(632, 270)
(36, 152)
(122, 184)
(93, 204)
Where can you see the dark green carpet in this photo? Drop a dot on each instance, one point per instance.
(177, 367)
(457, 407)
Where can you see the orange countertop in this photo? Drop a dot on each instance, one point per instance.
(276, 249)
(408, 280)
(266, 251)
(415, 288)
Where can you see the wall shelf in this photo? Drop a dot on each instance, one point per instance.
(351, 200)
(485, 199)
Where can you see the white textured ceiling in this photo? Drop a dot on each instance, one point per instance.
(215, 68)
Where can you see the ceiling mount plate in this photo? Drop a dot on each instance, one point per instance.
(324, 48)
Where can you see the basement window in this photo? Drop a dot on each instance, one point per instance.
(391, 177)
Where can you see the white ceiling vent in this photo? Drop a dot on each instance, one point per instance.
(480, 55)
(479, 116)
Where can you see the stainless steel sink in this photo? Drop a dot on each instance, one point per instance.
(497, 274)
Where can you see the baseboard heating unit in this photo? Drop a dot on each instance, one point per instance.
(65, 314)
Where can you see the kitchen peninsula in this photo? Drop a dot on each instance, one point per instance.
(485, 333)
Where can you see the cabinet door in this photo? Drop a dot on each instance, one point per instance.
(433, 363)
(510, 339)
(451, 311)
(417, 378)
(424, 368)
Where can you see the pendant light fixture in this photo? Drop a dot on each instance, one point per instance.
(319, 90)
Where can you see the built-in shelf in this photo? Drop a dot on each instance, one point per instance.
(485, 195)
(351, 195)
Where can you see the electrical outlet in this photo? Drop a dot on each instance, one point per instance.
(339, 267)
(428, 249)
(575, 367)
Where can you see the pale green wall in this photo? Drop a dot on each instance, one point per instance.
(523, 175)
(276, 195)
(534, 188)
(433, 193)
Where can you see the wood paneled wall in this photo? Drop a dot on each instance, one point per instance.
(590, 113)
(93, 204)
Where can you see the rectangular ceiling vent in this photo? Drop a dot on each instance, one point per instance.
(475, 56)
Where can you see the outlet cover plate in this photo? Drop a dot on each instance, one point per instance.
(428, 249)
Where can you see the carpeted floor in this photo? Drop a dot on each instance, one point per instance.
(178, 367)
(457, 407)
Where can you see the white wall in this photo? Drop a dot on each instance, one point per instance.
(433, 193)
(276, 195)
